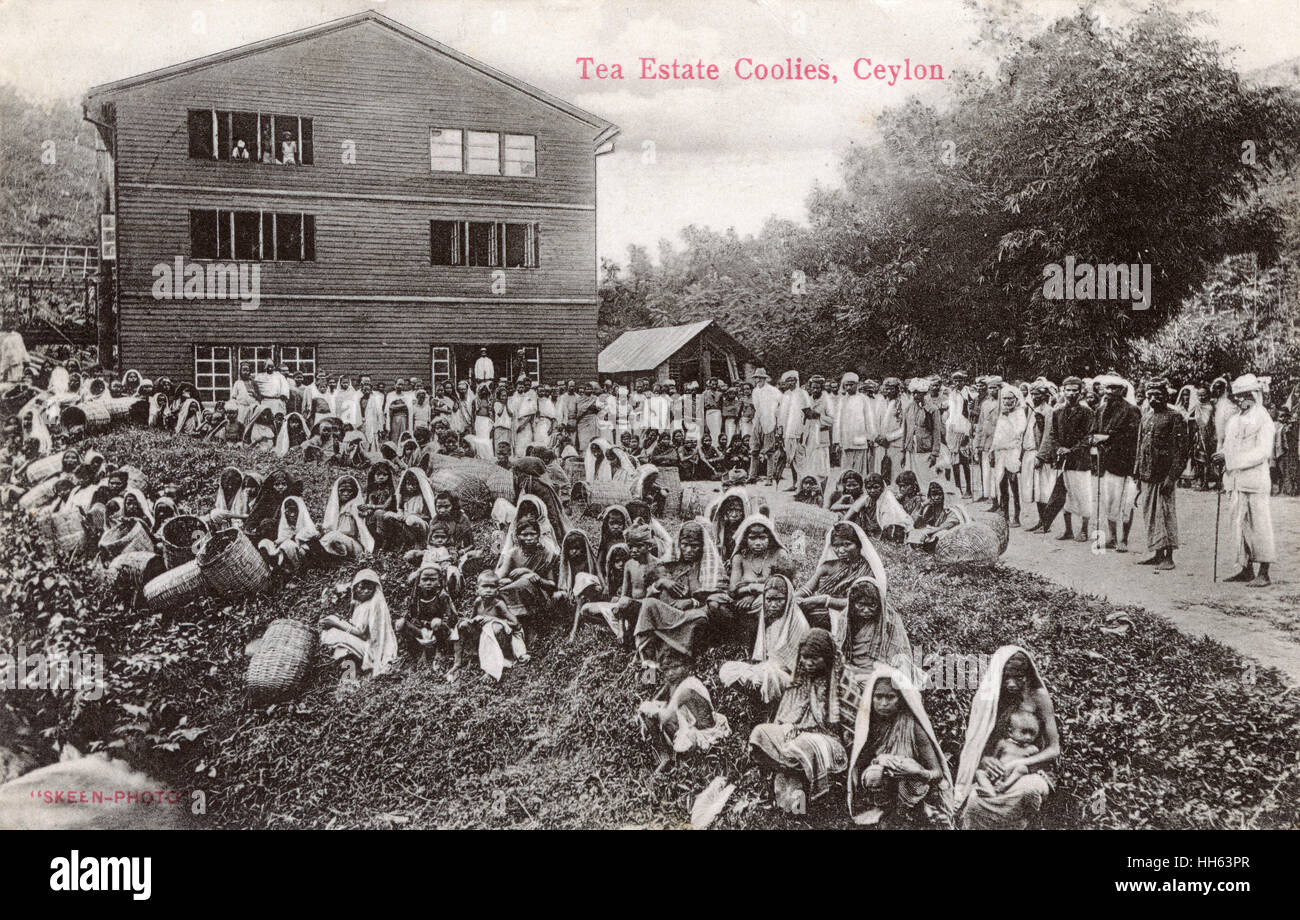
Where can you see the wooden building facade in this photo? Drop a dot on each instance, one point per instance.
(351, 198)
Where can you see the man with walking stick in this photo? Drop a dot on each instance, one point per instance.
(1246, 451)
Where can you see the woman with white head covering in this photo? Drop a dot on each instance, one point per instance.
(366, 639)
(1011, 684)
(295, 533)
(781, 627)
(898, 776)
(346, 533)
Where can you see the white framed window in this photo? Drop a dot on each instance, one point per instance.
(446, 150)
(256, 356)
(483, 153)
(213, 372)
(520, 155)
(441, 369)
(299, 358)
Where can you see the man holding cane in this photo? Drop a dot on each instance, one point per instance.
(1247, 447)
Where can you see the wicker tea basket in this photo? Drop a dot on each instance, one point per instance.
(231, 564)
(128, 410)
(469, 487)
(175, 588)
(178, 539)
(501, 483)
(670, 480)
(63, 532)
(130, 572)
(696, 499)
(607, 492)
(126, 536)
(44, 467)
(967, 544)
(996, 523)
(575, 468)
(281, 664)
(813, 520)
(94, 416)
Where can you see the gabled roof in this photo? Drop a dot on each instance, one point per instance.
(646, 349)
(368, 16)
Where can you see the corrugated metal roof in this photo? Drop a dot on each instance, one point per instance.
(646, 349)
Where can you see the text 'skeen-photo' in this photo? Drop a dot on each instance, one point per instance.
(569, 415)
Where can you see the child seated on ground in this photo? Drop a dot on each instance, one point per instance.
(1021, 741)
(501, 637)
(431, 622)
(366, 640)
(680, 718)
(810, 491)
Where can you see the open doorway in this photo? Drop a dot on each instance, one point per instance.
(456, 362)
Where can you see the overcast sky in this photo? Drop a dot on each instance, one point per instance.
(724, 154)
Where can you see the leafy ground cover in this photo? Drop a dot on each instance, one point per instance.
(1158, 729)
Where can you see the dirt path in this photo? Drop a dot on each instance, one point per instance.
(1263, 623)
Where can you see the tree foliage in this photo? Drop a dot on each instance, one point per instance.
(1108, 144)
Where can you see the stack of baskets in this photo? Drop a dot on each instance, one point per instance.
(178, 537)
(282, 662)
(231, 564)
(606, 492)
(126, 536)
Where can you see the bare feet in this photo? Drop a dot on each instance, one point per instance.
(1246, 574)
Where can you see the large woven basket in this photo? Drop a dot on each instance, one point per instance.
(813, 520)
(670, 480)
(178, 539)
(610, 492)
(696, 499)
(501, 483)
(130, 572)
(175, 588)
(967, 544)
(37, 494)
(282, 662)
(95, 416)
(126, 536)
(44, 467)
(575, 467)
(128, 410)
(995, 522)
(231, 564)
(469, 487)
(63, 532)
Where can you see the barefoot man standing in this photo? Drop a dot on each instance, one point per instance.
(1246, 448)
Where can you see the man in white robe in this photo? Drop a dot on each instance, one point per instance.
(855, 427)
(765, 440)
(794, 399)
(1247, 449)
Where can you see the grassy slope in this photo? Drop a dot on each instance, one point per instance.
(1159, 729)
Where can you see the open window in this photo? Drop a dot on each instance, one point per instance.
(250, 137)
